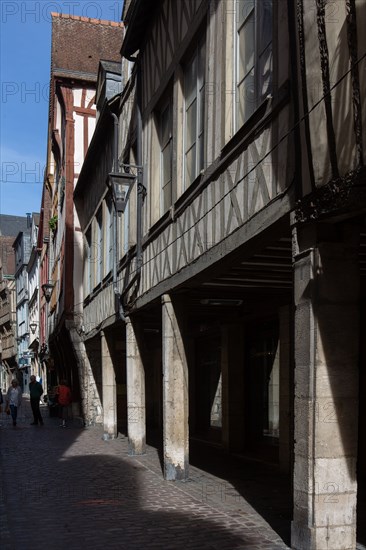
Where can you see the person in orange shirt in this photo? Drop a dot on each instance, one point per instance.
(64, 399)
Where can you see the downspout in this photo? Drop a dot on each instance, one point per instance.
(141, 190)
(117, 296)
(140, 183)
(295, 93)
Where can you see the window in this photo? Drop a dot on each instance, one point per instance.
(165, 138)
(99, 244)
(109, 236)
(254, 55)
(194, 90)
(88, 263)
(125, 229)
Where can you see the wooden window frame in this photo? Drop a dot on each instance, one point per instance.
(245, 9)
(198, 97)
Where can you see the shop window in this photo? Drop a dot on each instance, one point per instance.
(264, 384)
(208, 387)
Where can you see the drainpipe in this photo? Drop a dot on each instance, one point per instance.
(141, 190)
(140, 183)
(292, 24)
(117, 295)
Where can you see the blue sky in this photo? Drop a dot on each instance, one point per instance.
(25, 42)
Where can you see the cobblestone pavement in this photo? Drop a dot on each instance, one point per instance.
(69, 489)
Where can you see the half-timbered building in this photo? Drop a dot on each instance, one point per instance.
(224, 240)
(78, 44)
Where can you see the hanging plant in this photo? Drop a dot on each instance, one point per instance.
(53, 223)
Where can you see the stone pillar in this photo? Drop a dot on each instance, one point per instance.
(326, 280)
(136, 407)
(285, 442)
(109, 391)
(175, 395)
(91, 406)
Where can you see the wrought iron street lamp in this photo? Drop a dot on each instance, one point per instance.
(33, 327)
(47, 290)
(121, 185)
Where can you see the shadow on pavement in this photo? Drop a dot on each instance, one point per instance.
(261, 484)
(69, 489)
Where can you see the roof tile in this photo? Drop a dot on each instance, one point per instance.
(78, 43)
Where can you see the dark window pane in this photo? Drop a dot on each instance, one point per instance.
(246, 48)
(190, 168)
(265, 73)
(191, 125)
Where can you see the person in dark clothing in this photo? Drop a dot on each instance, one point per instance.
(36, 390)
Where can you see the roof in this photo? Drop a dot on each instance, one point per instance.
(111, 66)
(127, 9)
(108, 81)
(78, 44)
(10, 226)
(137, 15)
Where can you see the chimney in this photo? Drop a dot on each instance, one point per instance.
(29, 220)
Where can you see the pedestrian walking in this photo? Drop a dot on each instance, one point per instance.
(63, 393)
(35, 390)
(13, 400)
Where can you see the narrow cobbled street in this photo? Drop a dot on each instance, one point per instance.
(69, 489)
